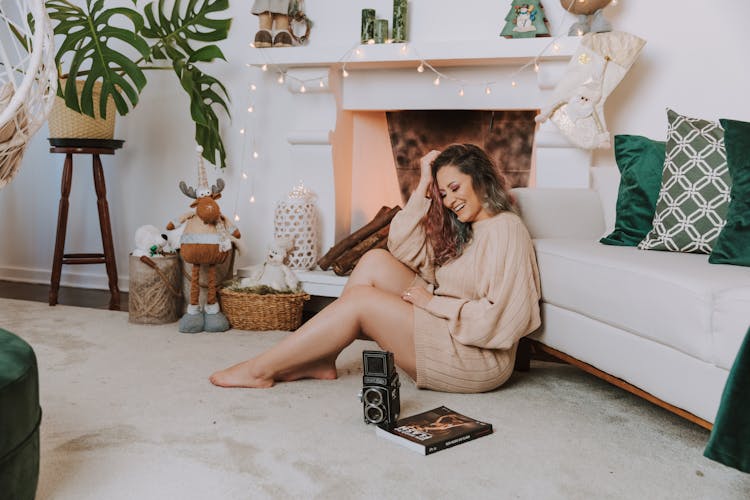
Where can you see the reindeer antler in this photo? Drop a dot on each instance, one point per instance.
(219, 187)
(187, 191)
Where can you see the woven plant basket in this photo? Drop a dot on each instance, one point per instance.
(273, 311)
(64, 123)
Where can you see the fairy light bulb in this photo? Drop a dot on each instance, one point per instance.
(242, 131)
(487, 90)
(252, 44)
(555, 47)
(403, 49)
(461, 92)
(321, 84)
(358, 52)
(436, 81)
(536, 68)
(250, 109)
(302, 88)
(253, 88)
(252, 199)
(264, 67)
(420, 68)
(344, 73)
(244, 176)
(513, 83)
(255, 155)
(280, 79)
(236, 218)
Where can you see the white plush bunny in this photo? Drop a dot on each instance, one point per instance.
(273, 272)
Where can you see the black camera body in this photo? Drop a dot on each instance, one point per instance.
(380, 394)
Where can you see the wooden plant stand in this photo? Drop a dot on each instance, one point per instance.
(92, 147)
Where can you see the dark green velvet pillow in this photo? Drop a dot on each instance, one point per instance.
(733, 244)
(641, 161)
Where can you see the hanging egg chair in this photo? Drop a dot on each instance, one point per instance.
(28, 78)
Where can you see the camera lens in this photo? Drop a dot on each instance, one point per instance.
(373, 397)
(374, 414)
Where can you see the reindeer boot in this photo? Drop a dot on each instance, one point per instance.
(215, 321)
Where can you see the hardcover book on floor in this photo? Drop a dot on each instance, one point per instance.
(435, 430)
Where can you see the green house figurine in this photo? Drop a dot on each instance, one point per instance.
(525, 19)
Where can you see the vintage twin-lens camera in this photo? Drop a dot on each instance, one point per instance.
(380, 388)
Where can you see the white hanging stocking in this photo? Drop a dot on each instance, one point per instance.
(597, 67)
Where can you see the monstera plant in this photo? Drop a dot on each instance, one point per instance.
(115, 45)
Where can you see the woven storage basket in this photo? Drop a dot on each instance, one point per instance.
(273, 311)
(155, 296)
(64, 123)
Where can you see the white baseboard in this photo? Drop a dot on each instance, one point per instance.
(69, 277)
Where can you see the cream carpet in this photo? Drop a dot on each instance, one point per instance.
(129, 414)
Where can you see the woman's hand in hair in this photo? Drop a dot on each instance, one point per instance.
(425, 168)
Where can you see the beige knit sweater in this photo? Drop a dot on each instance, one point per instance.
(483, 301)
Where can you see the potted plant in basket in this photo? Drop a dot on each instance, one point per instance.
(106, 50)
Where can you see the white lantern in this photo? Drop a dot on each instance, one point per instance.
(296, 218)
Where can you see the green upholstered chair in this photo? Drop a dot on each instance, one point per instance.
(20, 416)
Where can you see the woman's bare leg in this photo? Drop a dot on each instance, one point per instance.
(379, 269)
(371, 304)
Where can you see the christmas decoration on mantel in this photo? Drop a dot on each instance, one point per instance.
(597, 67)
(376, 30)
(590, 16)
(281, 23)
(525, 19)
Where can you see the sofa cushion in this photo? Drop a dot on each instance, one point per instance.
(731, 320)
(641, 162)
(540, 209)
(694, 195)
(733, 243)
(676, 299)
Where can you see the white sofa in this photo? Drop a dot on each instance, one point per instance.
(667, 324)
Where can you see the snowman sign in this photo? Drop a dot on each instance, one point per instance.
(525, 19)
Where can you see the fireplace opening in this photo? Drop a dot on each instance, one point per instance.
(507, 137)
(382, 166)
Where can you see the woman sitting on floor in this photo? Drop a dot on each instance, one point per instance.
(457, 289)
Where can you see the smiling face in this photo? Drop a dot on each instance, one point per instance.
(457, 192)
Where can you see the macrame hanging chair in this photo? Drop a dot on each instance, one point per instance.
(28, 78)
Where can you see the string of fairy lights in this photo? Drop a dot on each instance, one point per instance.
(358, 54)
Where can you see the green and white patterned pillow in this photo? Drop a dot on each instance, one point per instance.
(694, 197)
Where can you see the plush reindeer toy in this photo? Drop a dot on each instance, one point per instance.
(206, 241)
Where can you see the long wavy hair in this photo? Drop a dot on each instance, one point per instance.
(445, 233)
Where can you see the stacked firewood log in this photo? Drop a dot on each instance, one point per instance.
(344, 255)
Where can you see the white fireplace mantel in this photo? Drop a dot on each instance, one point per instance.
(501, 51)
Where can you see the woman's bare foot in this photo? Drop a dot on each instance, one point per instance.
(240, 375)
(323, 369)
